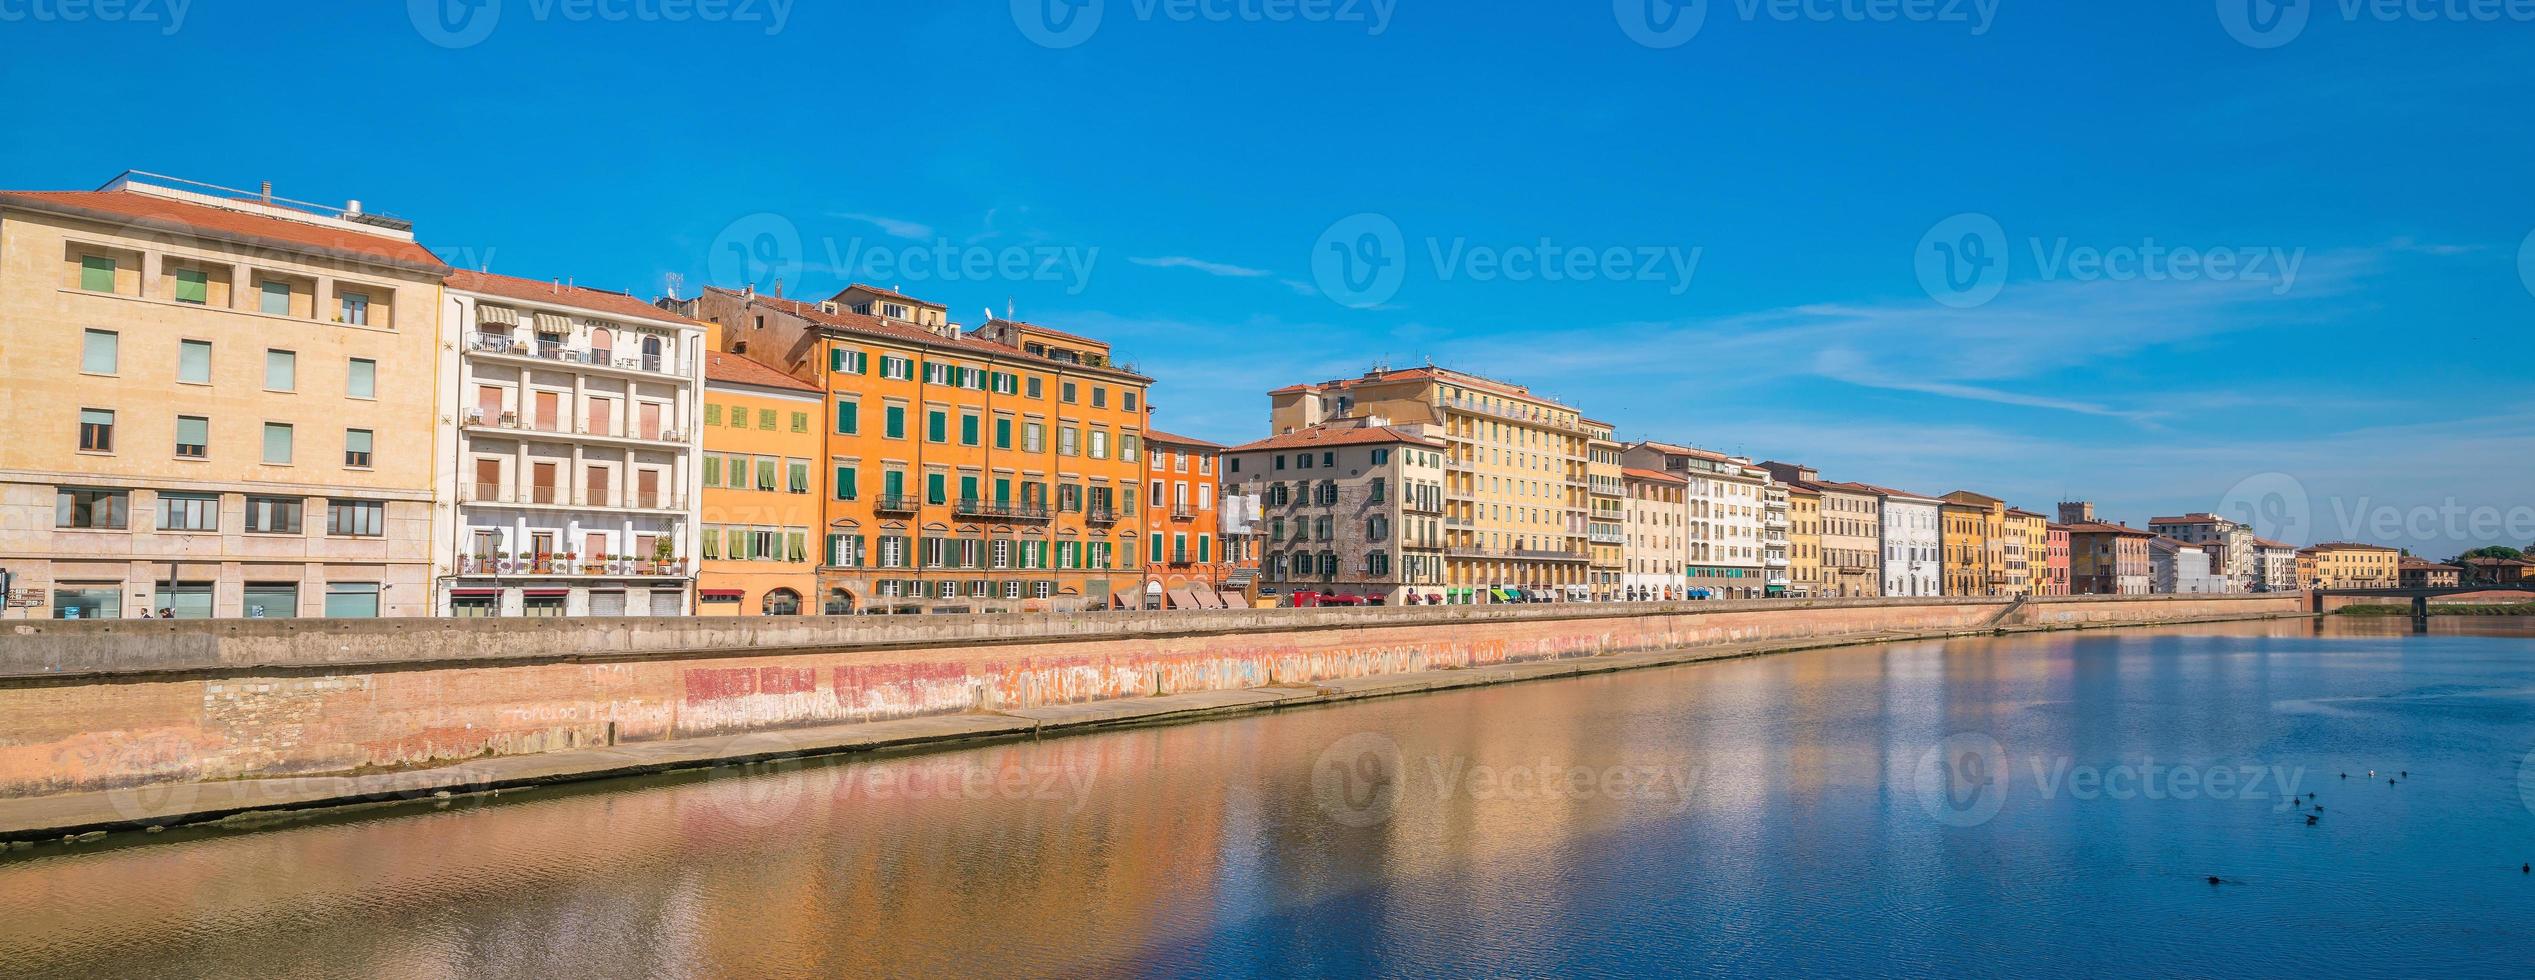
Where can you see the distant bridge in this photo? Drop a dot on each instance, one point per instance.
(2420, 597)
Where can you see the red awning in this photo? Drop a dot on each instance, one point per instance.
(733, 595)
(545, 593)
(474, 593)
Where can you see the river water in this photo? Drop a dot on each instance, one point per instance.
(2049, 805)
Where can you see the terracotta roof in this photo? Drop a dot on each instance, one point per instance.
(2185, 519)
(2021, 512)
(1161, 438)
(2102, 527)
(1320, 436)
(1970, 496)
(556, 294)
(734, 369)
(2424, 563)
(2487, 562)
(2348, 546)
(891, 293)
(882, 327)
(1659, 476)
(1885, 491)
(1422, 374)
(1050, 331)
(1804, 487)
(144, 210)
(2268, 543)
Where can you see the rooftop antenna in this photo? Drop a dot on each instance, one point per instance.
(1007, 308)
(673, 282)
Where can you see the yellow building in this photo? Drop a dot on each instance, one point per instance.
(1804, 542)
(1975, 546)
(993, 470)
(1606, 518)
(762, 443)
(1516, 486)
(2346, 565)
(2029, 552)
(220, 404)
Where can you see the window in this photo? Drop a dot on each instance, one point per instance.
(276, 298)
(1003, 433)
(766, 472)
(1069, 441)
(766, 419)
(846, 488)
(1033, 437)
(937, 425)
(895, 368)
(800, 421)
(1066, 393)
(1100, 444)
(99, 352)
(96, 273)
(96, 430)
(848, 418)
(361, 379)
(844, 361)
(273, 600)
(797, 475)
(359, 600)
(356, 312)
(1034, 390)
(356, 448)
(193, 437)
(92, 509)
(356, 518)
(273, 515)
(1126, 400)
(193, 361)
(281, 370)
(192, 286)
(968, 428)
(1099, 397)
(277, 443)
(894, 422)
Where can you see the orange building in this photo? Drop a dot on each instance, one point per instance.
(1181, 554)
(761, 490)
(992, 470)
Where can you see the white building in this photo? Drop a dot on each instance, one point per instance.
(1726, 510)
(1773, 533)
(1913, 543)
(2230, 546)
(2183, 568)
(570, 439)
(1655, 544)
(2275, 566)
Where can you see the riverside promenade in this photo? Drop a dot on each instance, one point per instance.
(118, 726)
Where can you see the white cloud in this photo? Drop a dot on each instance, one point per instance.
(895, 227)
(1201, 265)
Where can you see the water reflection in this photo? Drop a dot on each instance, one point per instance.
(1758, 815)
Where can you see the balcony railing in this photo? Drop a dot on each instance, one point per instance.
(496, 493)
(511, 421)
(563, 565)
(1100, 515)
(1183, 512)
(998, 509)
(488, 343)
(894, 503)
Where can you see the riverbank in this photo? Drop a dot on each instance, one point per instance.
(2444, 609)
(87, 815)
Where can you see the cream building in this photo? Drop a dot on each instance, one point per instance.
(573, 417)
(221, 405)
(1352, 507)
(1605, 517)
(1775, 525)
(1516, 486)
(1728, 506)
(1657, 520)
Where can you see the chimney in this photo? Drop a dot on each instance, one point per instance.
(268, 192)
(352, 208)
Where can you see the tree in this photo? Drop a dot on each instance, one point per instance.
(2493, 551)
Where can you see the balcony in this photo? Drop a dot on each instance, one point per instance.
(992, 510)
(1101, 515)
(561, 565)
(513, 348)
(477, 418)
(1415, 505)
(893, 503)
(548, 496)
(1183, 512)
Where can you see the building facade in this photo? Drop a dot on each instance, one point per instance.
(1910, 542)
(2349, 565)
(1352, 507)
(2055, 562)
(1516, 485)
(574, 470)
(1605, 527)
(2028, 552)
(2274, 566)
(1804, 541)
(1658, 544)
(1981, 557)
(2182, 568)
(1184, 565)
(759, 510)
(2230, 545)
(994, 470)
(1778, 566)
(2420, 573)
(208, 388)
(2107, 559)
(1727, 508)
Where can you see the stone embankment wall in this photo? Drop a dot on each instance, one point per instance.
(86, 706)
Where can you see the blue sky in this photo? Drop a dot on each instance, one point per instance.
(1174, 177)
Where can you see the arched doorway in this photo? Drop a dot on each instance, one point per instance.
(839, 603)
(783, 602)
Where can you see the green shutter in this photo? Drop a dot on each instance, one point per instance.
(835, 365)
(848, 418)
(845, 483)
(967, 488)
(1003, 433)
(1205, 548)
(712, 472)
(1003, 491)
(1157, 548)
(192, 286)
(712, 416)
(968, 430)
(800, 421)
(894, 422)
(937, 427)
(934, 487)
(96, 273)
(765, 474)
(893, 483)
